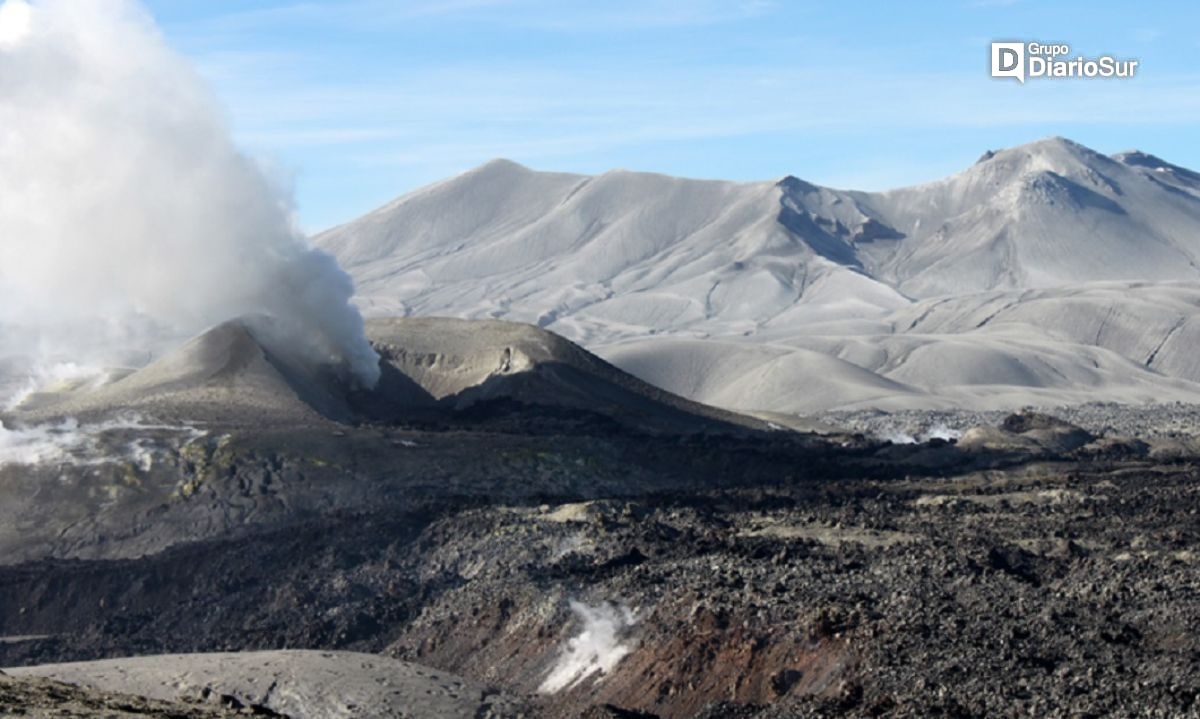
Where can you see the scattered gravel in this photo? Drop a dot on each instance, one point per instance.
(1177, 420)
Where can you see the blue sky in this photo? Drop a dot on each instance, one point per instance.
(362, 100)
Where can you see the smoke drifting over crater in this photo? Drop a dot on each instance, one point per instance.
(127, 215)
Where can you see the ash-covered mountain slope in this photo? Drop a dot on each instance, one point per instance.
(1045, 273)
(1042, 215)
(437, 364)
(595, 257)
(228, 371)
(432, 369)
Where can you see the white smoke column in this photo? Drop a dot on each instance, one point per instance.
(126, 212)
(597, 649)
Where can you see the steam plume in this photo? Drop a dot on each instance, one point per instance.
(600, 645)
(126, 213)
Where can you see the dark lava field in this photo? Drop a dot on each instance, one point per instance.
(624, 563)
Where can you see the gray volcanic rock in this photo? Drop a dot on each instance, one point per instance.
(297, 684)
(762, 574)
(1028, 432)
(36, 698)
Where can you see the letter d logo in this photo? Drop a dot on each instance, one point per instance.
(1008, 60)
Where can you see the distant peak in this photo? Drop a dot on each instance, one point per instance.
(1057, 143)
(1057, 154)
(501, 164)
(493, 172)
(794, 184)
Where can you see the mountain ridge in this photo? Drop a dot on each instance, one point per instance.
(624, 257)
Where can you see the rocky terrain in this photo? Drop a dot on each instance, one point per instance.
(1160, 421)
(1061, 585)
(522, 520)
(285, 683)
(47, 699)
(1048, 590)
